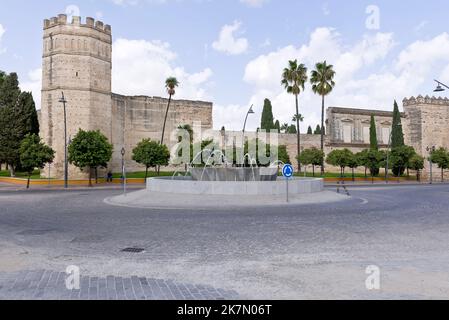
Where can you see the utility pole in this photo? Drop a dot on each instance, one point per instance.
(66, 162)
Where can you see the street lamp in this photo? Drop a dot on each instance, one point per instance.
(388, 153)
(123, 152)
(66, 163)
(250, 111)
(440, 86)
(430, 150)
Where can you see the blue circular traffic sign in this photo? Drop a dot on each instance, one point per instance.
(287, 171)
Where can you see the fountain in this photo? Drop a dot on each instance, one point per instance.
(225, 179)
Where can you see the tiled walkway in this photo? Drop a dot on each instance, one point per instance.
(51, 285)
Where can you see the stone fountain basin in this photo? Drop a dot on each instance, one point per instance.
(186, 185)
(234, 174)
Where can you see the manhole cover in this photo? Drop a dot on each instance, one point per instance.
(133, 250)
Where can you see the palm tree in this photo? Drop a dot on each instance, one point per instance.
(322, 80)
(294, 78)
(170, 84)
(284, 127)
(297, 117)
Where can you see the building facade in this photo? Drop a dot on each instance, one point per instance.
(77, 60)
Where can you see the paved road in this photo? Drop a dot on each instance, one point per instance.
(303, 252)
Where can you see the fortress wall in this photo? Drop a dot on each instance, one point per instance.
(139, 117)
(427, 125)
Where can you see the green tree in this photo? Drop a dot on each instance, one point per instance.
(9, 90)
(416, 163)
(283, 154)
(400, 157)
(306, 158)
(170, 84)
(313, 157)
(189, 129)
(18, 117)
(28, 113)
(292, 129)
(90, 149)
(297, 118)
(294, 78)
(362, 160)
(397, 135)
(267, 122)
(277, 126)
(373, 161)
(353, 164)
(340, 158)
(284, 128)
(323, 83)
(309, 130)
(441, 158)
(317, 130)
(374, 144)
(34, 154)
(151, 154)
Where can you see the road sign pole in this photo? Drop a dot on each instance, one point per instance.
(287, 172)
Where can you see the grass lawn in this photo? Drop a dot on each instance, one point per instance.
(36, 174)
(152, 173)
(141, 175)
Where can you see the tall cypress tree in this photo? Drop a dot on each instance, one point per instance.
(397, 135)
(374, 145)
(18, 117)
(267, 116)
(318, 129)
(28, 113)
(277, 126)
(309, 130)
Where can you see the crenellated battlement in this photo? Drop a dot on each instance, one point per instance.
(76, 21)
(426, 100)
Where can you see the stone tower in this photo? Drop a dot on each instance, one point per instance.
(426, 125)
(76, 61)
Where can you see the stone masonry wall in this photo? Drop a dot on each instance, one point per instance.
(77, 61)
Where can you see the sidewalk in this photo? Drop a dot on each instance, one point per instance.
(390, 183)
(100, 186)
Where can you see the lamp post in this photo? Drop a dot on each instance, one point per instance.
(250, 111)
(66, 164)
(387, 169)
(430, 150)
(123, 152)
(440, 86)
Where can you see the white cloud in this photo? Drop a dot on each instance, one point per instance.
(228, 43)
(325, 9)
(33, 84)
(126, 2)
(2, 32)
(141, 67)
(357, 86)
(254, 3)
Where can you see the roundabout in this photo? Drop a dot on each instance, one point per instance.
(227, 188)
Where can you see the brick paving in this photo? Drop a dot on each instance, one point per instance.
(50, 285)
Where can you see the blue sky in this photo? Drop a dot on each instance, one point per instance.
(231, 52)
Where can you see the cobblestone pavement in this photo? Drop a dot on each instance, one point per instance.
(51, 285)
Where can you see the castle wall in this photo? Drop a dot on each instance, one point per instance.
(77, 61)
(140, 117)
(426, 126)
